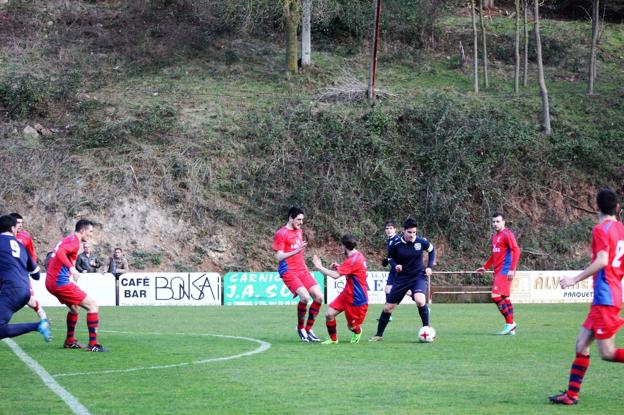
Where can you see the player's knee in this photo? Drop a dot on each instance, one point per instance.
(388, 308)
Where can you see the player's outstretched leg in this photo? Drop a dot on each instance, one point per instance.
(34, 304)
(357, 334)
(45, 330)
(577, 373)
(384, 319)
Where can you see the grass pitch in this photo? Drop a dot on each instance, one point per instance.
(467, 370)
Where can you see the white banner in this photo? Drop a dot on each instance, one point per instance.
(375, 281)
(543, 287)
(99, 286)
(170, 288)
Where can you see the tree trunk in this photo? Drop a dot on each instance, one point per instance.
(517, 71)
(486, 80)
(488, 4)
(594, 45)
(372, 73)
(306, 38)
(475, 43)
(540, 73)
(292, 15)
(525, 80)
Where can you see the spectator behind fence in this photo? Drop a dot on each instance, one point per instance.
(118, 264)
(87, 261)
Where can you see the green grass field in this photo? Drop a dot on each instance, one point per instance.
(467, 370)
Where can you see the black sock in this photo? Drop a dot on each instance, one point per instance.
(384, 319)
(424, 314)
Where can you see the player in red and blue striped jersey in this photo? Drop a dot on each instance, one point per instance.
(60, 271)
(353, 299)
(15, 267)
(603, 320)
(25, 239)
(504, 258)
(289, 247)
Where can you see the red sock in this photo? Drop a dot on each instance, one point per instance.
(509, 317)
(501, 303)
(301, 312)
(72, 319)
(619, 356)
(314, 310)
(92, 323)
(331, 329)
(577, 372)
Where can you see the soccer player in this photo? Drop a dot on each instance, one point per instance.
(289, 246)
(15, 267)
(406, 257)
(603, 320)
(25, 239)
(353, 299)
(391, 238)
(504, 258)
(60, 269)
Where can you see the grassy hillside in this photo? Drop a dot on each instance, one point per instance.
(185, 140)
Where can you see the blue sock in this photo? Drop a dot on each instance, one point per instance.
(384, 319)
(424, 314)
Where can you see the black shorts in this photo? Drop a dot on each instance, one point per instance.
(402, 285)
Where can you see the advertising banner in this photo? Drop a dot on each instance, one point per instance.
(170, 288)
(543, 287)
(259, 288)
(99, 286)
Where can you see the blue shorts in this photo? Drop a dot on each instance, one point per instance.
(402, 285)
(391, 277)
(12, 300)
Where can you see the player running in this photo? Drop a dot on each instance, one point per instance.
(353, 299)
(603, 320)
(504, 258)
(406, 257)
(25, 239)
(15, 266)
(289, 246)
(58, 283)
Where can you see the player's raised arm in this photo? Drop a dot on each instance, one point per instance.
(318, 264)
(601, 261)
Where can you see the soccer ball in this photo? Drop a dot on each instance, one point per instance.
(426, 334)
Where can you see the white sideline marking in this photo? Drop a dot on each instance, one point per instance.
(264, 346)
(68, 398)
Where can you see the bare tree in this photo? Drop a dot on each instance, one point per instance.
(517, 69)
(486, 80)
(475, 42)
(292, 16)
(488, 4)
(525, 6)
(306, 38)
(594, 45)
(540, 73)
(372, 67)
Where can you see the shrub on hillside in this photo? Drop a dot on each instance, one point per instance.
(446, 164)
